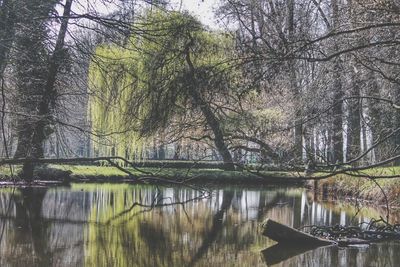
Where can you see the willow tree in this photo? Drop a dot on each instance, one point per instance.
(112, 78)
(175, 67)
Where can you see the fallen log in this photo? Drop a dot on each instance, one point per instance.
(287, 235)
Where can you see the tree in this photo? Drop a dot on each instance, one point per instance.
(36, 69)
(7, 31)
(306, 47)
(176, 69)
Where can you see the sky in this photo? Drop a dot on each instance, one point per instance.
(202, 9)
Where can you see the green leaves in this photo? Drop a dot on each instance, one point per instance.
(139, 88)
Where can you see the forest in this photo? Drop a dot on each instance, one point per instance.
(277, 83)
(303, 93)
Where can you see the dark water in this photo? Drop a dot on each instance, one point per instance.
(127, 225)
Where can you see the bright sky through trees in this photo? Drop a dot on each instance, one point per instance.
(202, 9)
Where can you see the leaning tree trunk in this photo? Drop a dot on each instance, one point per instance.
(214, 124)
(209, 115)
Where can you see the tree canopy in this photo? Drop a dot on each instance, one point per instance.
(176, 69)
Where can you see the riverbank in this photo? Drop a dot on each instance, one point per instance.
(339, 186)
(197, 176)
(380, 192)
(202, 176)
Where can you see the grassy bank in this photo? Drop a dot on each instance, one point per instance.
(364, 188)
(338, 186)
(99, 173)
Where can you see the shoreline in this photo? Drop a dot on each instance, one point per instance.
(340, 186)
(360, 190)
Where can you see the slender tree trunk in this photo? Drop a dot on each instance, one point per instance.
(354, 119)
(374, 112)
(337, 127)
(364, 140)
(396, 123)
(298, 129)
(354, 104)
(309, 143)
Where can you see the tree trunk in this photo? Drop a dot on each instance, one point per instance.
(213, 122)
(374, 110)
(298, 128)
(43, 76)
(396, 123)
(7, 32)
(309, 144)
(31, 75)
(354, 120)
(49, 95)
(337, 127)
(211, 119)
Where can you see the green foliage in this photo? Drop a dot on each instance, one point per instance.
(112, 77)
(136, 90)
(202, 175)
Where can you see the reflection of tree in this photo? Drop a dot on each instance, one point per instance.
(216, 227)
(143, 233)
(175, 230)
(100, 225)
(266, 206)
(32, 237)
(266, 202)
(134, 225)
(30, 230)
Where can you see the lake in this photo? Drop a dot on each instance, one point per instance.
(138, 225)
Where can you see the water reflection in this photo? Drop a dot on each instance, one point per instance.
(126, 225)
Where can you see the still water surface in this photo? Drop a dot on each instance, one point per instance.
(131, 225)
